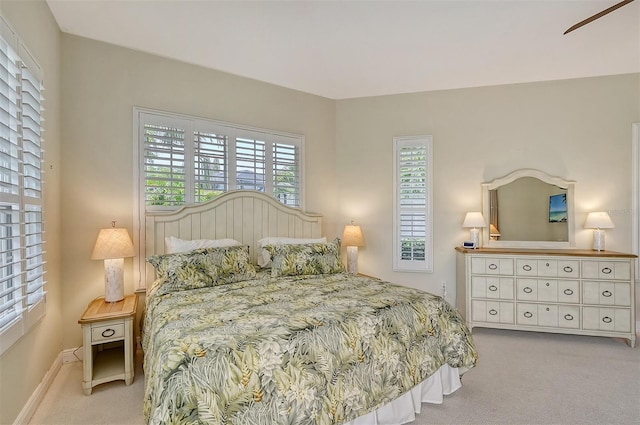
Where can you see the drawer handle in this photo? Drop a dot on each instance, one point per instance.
(493, 266)
(107, 333)
(606, 270)
(568, 317)
(493, 288)
(607, 319)
(606, 294)
(493, 312)
(526, 268)
(568, 269)
(568, 291)
(527, 290)
(528, 314)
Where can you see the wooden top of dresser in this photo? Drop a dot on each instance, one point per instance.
(559, 252)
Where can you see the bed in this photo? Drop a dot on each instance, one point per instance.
(297, 342)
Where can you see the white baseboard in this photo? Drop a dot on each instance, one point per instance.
(36, 398)
(71, 355)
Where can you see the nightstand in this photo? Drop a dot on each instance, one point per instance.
(107, 339)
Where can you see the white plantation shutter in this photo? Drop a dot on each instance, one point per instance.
(250, 165)
(22, 263)
(184, 160)
(412, 204)
(164, 165)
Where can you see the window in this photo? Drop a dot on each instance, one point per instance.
(412, 223)
(185, 160)
(21, 222)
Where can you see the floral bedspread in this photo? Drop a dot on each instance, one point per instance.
(298, 350)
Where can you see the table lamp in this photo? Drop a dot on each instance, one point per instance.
(474, 220)
(112, 246)
(352, 238)
(598, 221)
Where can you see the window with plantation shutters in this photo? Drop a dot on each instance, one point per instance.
(412, 232)
(22, 272)
(185, 160)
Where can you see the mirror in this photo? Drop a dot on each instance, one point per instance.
(528, 208)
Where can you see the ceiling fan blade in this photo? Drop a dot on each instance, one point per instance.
(597, 15)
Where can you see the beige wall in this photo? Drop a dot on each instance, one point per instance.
(23, 366)
(102, 83)
(577, 129)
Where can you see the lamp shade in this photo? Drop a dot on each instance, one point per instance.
(598, 220)
(352, 235)
(113, 243)
(474, 219)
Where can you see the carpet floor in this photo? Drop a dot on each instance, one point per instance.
(521, 378)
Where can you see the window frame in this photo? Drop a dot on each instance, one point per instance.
(26, 199)
(233, 131)
(413, 265)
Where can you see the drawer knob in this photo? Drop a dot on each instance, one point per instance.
(547, 284)
(547, 308)
(568, 291)
(606, 270)
(526, 268)
(493, 288)
(607, 319)
(108, 333)
(568, 317)
(493, 312)
(547, 264)
(527, 290)
(493, 266)
(528, 314)
(606, 294)
(568, 269)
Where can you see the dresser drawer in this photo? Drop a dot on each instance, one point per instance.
(606, 293)
(606, 319)
(548, 267)
(549, 315)
(548, 290)
(109, 332)
(492, 287)
(490, 265)
(617, 270)
(492, 311)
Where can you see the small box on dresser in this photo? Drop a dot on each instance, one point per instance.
(568, 291)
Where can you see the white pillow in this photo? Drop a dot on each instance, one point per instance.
(264, 259)
(173, 244)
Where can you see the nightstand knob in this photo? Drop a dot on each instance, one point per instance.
(108, 333)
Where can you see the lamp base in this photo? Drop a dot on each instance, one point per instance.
(474, 234)
(352, 259)
(114, 280)
(598, 240)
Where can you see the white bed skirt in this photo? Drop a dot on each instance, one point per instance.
(403, 410)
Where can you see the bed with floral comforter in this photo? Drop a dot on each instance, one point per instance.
(227, 345)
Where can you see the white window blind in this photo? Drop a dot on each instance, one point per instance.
(184, 160)
(412, 204)
(22, 264)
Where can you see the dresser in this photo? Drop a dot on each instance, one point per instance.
(567, 291)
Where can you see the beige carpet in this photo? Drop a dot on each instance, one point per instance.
(522, 378)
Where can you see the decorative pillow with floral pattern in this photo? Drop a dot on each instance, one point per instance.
(307, 259)
(202, 268)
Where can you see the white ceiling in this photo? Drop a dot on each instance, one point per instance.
(348, 49)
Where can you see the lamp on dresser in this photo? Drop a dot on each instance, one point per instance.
(598, 221)
(473, 220)
(112, 246)
(352, 238)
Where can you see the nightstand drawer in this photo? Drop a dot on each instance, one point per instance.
(107, 332)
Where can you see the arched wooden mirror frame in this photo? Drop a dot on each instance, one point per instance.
(569, 185)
